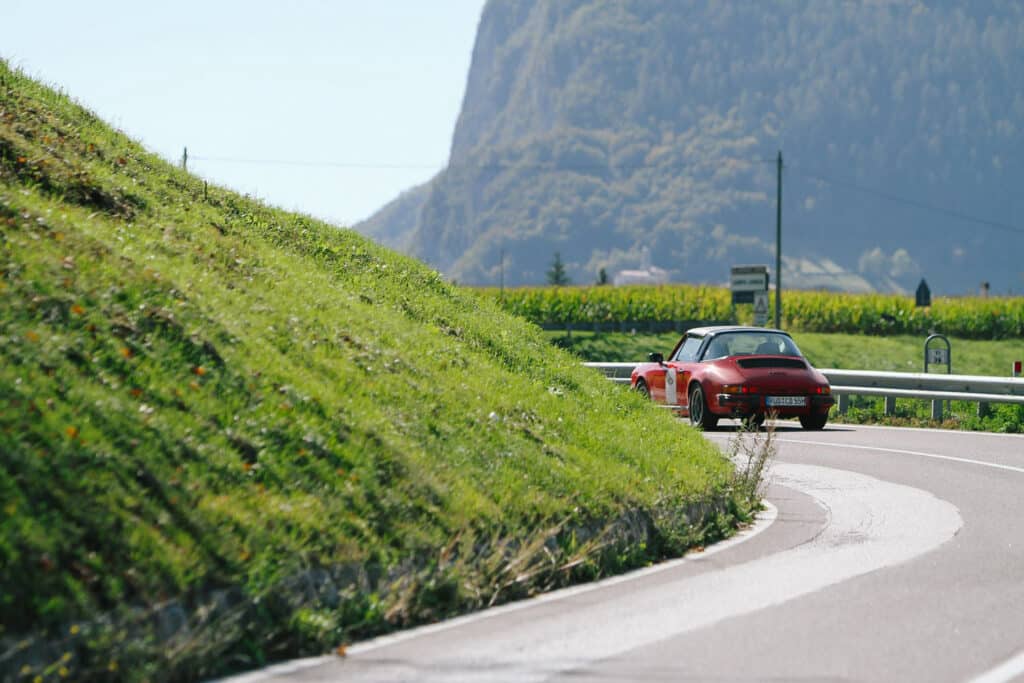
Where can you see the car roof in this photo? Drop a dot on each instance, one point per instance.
(719, 329)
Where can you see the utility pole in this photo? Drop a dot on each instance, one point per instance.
(501, 276)
(778, 247)
(184, 159)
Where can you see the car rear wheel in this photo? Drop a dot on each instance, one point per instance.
(814, 422)
(700, 416)
(641, 388)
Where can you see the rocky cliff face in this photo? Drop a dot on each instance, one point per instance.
(604, 129)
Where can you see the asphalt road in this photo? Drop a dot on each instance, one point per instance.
(888, 555)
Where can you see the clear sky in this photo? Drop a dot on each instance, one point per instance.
(354, 100)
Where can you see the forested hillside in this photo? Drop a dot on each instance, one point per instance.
(607, 129)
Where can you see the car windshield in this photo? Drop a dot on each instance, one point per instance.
(750, 343)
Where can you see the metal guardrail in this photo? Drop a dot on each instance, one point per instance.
(918, 385)
(616, 372)
(892, 385)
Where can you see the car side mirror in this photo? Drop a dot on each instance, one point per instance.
(656, 357)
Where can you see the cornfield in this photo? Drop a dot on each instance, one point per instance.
(804, 311)
(582, 306)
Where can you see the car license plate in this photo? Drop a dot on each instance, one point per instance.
(786, 401)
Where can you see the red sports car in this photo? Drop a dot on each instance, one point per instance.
(741, 372)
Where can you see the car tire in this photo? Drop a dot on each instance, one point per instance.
(814, 422)
(700, 416)
(641, 388)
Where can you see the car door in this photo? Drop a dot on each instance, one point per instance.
(681, 369)
(657, 379)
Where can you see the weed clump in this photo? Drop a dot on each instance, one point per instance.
(753, 450)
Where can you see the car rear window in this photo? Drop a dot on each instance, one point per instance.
(750, 343)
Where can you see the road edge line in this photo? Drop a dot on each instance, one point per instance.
(1007, 671)
(762, 521)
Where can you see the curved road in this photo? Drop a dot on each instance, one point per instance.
(888, 554)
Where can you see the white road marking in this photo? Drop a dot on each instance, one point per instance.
(872, 524)
(764, 519)
(1013, 668)
(1007, 671)
(899, 451)
(933, 430)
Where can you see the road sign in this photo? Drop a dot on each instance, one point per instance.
(744, 281)
(761, 308)
(938, 355)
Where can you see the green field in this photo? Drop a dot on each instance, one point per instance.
(902, 353)
(604, 308)
(233, 434)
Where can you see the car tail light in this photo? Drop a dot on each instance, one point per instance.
(738, 389)
(825, 389)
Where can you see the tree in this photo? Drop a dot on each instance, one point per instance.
(556, 275)
(602, 277)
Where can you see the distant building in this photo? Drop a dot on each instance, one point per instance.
(651, 275)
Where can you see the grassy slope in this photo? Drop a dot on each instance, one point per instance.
(279, 432)
(853, 351)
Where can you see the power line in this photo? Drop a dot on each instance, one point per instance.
(556, 166)
(548, 165)
(912, 202)
(312, 164)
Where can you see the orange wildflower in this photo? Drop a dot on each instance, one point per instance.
(72, 432)
(77, 310)
(199, 370)
(126, 352)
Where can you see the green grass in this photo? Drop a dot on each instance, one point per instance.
(603, 308)
(852, 352)
(220, 415)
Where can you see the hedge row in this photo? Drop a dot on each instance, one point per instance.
(966, 317)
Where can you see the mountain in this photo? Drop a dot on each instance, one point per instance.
(607, 129)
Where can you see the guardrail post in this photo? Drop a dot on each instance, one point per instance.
(844, 404)
(890, 405)
(982, 409)
(937, 409)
